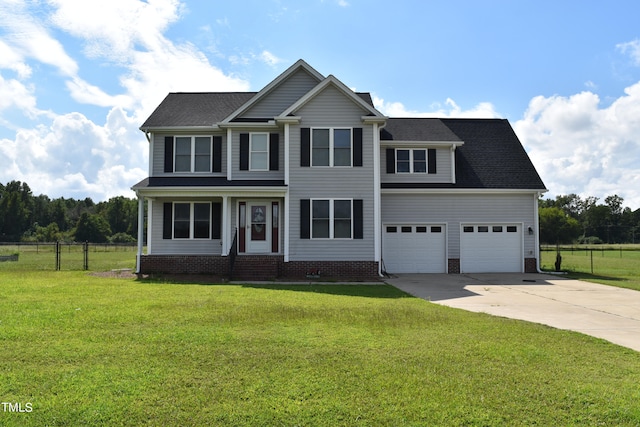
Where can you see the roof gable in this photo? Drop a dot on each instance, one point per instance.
(297, 71)
(332, 81)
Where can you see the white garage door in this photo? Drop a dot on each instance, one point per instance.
(491, 248)
(414, 248)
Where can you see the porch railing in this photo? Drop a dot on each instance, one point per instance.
(233, 252)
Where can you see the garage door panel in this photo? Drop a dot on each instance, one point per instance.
(414, 248)
(491, 248)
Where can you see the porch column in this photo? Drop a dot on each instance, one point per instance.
(226, 226)
(140, 231)
(285, 208)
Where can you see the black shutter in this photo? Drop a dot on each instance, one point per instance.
(432, 160)
(167, 221)
(216, 165)
(358, 221)
(391, 160)
(305, 147)
(357, 146)
(216, 220)
(305, 219)
(274, 144)
(244, 151)
(168, 154)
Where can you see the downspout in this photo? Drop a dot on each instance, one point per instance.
(536, 224)
(377, 204)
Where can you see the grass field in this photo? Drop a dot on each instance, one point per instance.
(612, 265)
(86, 350)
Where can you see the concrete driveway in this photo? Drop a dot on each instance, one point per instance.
(601, 311)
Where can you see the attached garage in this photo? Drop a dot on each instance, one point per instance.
(491, 248)
(417, 248)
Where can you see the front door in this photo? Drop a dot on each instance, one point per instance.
(259, 227)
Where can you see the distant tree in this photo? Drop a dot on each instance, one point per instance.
(92, 228)
(16, 203)
(556, 226)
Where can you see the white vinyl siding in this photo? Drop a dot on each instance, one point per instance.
(331, 109)
(288, 92)
(457, 209)
(201, 166)
(178, 246)
(443, 167)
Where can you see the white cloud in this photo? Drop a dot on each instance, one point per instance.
(68, 154)
(450, 110)
(631, 48)
(269, 58)
(581, 148)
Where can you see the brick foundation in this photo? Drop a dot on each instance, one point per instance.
(258, 267)
(453, 265)
(184, 264)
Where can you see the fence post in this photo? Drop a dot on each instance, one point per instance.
(591, 261)
(86, 254)
(57, 249)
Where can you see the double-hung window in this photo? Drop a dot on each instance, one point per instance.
(331, 219)
(331, 147)
(259, 152)
(192, 154)
(411, 161)
(192, 220)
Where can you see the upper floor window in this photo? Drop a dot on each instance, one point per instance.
(411, 161)
(331, 147)
(259, 152)
(192, 154)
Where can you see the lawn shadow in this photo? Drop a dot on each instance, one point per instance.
(358, 289)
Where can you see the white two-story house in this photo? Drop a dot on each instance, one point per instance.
(307, 177)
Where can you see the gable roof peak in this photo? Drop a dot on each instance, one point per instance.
(298, 65)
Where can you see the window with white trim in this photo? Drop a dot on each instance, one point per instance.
(411, 161)
(332, 219)
(192, 220)
(192, 154)
(331, 147)
(259, 152)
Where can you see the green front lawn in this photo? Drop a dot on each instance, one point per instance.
(85, 350)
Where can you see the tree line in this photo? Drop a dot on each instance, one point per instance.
(28, 218)
(25, 217)
(572, 219)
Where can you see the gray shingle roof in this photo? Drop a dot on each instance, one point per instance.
(417, 129)
(184, 109)
(195, 109)
(491, 157)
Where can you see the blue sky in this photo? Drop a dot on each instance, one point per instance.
(78, 77)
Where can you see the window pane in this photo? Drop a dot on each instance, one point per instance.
(320, 229)
(468, 229)
(259, 142)
(320, 209)
(392, 229)
(483, 229)
(342, 228)
(201, 211)
(183, 145)
(183, 154)
(182, 211)
(181, 220)
(203, 145)
(419, 161)
(402, 163)
(259, 161)
(320, 223)
(342, 209)
(421, 229)
(320, 152)
(342, 219)
(342, 147)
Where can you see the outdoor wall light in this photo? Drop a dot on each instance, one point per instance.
(530, 230)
